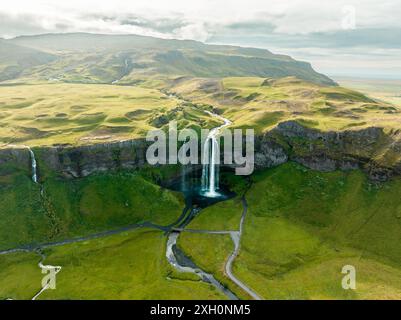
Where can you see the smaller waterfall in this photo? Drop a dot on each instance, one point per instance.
(33, 166)
(210, 169)
(33, 161)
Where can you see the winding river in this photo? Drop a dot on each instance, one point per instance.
(181, 263)
(210, 185)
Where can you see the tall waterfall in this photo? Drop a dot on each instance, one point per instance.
(210, 160)
(33, 166)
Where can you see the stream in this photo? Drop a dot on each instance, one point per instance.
(200, 194)
(183, 264)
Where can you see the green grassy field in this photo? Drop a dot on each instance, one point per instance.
(59, 113)
(210, 252)
(20, 276)
(78, 207)
(131, 265)
(303, 226)
(224, 215)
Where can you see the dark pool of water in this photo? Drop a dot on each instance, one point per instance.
(190, 186)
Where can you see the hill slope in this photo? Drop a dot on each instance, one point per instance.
(14, 59)
(95, 58)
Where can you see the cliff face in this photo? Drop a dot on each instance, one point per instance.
(370, 149)
(82, 161)
(14, 158)
(74, 162)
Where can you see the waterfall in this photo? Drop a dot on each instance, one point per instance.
(33, 166)
(210, 159)
(33, 161)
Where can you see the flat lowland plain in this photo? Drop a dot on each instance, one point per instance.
(382, 89)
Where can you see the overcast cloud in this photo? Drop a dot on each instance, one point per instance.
(305, 29)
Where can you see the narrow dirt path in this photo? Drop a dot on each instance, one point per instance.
(236, 237)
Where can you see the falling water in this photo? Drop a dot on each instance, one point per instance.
(33, 166)
(210, 169)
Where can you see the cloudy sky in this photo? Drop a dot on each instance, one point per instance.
(339, 37)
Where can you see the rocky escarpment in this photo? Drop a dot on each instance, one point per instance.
(79, 161)
(85, 160)
(371, 149)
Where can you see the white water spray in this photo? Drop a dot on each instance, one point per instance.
(210, 169)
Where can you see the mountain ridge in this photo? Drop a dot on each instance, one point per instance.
(95, 54)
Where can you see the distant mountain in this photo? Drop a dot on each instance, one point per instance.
(14, 59)
(100, 58)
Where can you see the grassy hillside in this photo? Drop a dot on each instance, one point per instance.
(71, 208)
(261, 103)
(303, 226)
(14, 59)
(45, 114)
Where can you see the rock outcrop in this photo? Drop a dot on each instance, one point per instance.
(370, 149)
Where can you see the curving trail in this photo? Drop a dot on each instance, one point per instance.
(236, 237)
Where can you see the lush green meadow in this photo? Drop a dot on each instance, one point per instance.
(20, 276)
(70, 208)
(304, 226)
(130, 265)
(224, 215)
(301, 228)
(60, 113)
